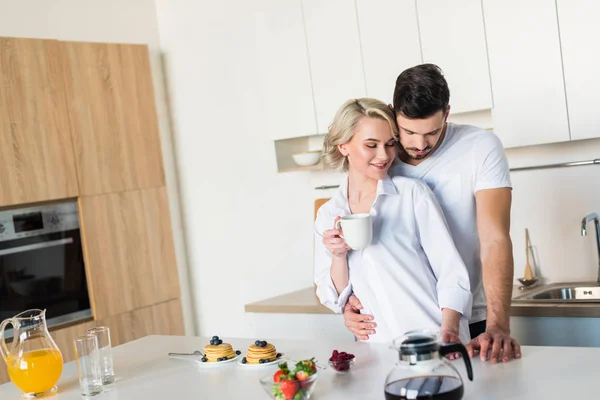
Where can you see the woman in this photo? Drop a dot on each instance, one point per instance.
(411, 276)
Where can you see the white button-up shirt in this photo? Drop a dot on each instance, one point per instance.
(410, 271)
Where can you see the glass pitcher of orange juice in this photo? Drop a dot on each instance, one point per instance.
(33, 359)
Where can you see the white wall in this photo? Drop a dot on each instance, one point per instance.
(131, 21)
(248, 228)
(551, 203)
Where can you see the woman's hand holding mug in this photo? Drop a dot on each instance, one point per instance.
(333, 241)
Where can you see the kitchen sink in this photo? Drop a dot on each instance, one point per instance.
(566, 294)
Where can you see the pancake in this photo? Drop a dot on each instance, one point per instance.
(214, 352)
(257, 353)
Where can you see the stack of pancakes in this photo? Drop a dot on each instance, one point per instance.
(220, 352)
(256, 353)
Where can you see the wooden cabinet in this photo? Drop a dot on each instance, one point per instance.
(453, 37)
(579, 33)
(64, 338)
(113, 117)
(335, 57)
(389, 37)
(130, 258)
(526, 72)
(36, 154)
(285, 70)
(160, 319)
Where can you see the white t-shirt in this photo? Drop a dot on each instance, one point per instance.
(469, 159)
(410, 271)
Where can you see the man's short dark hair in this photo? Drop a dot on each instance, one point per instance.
(421, 91)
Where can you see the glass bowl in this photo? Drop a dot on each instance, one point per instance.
(289, 390)
(341, 366)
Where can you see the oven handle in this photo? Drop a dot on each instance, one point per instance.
(35, 246)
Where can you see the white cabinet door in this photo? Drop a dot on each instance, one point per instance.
(580, 35)
(526, 72)
(335, 57)
(389, 37)
(453, 37)
(284, 70)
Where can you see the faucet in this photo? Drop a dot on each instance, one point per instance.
(588, 218)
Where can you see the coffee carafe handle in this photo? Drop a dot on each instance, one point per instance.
(449, 348)
(7, 355)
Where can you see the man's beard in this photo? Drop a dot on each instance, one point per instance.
(418, 156)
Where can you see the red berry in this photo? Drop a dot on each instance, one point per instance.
(288, 388)
(277, 376)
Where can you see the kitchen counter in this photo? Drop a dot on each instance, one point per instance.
(306, 302)
(303, 301)
(145, 372)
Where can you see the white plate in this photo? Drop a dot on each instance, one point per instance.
(217, 363)
(276, 361)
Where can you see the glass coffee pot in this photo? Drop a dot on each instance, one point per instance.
(422, 372)
(32, 358)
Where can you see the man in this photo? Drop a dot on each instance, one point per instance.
(467, 170)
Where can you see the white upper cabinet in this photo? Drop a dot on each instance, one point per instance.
(580, 38)
(453, 37)
(389, 36)
(526, 72)
(335, 56)
(285, 70)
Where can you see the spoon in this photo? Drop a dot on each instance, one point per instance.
(196, 353)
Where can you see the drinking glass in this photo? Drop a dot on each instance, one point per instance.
(105, 353)
(88, 365)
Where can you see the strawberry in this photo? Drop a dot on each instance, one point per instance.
(277, 376)
(288, 388)
(302, 375)
(308, 366)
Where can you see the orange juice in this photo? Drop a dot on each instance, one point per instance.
(37, 371)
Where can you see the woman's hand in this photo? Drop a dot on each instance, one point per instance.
(334, 242)
(449, 329)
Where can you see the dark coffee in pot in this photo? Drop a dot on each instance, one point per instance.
(425, 387)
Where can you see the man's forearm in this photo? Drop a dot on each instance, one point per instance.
(498, 271)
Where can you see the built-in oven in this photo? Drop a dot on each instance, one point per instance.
(41, 263)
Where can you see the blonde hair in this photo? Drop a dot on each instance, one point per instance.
(345, 122)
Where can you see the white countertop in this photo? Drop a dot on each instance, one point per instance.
(144, 371)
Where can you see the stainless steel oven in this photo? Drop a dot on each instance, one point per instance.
(41, 263)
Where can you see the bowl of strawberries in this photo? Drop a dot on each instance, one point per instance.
(341, 361)
(293, 381)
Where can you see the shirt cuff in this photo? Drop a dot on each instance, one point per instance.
(329, 297)
(457, 299)
(493, 185)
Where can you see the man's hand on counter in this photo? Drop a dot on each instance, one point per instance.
(361, 325)
(498, 341)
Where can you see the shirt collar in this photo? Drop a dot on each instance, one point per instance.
(385, 186)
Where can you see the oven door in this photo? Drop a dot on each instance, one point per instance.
(46, 272)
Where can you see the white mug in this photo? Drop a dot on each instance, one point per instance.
(357, 230)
